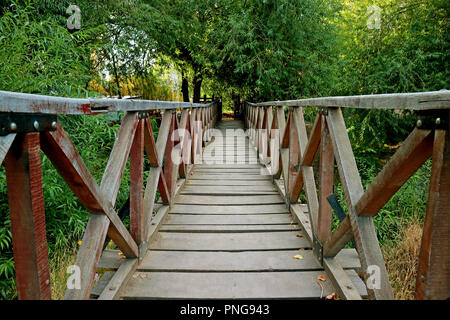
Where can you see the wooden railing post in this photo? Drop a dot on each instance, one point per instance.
(137, 185)
(326, 184)
(26, 207)
(433, 276)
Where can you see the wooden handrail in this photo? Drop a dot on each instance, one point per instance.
(291, 159)
(33, 103)
(21, 151)
(411, 101)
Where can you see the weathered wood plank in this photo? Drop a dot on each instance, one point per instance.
(307, 172)
(88, 256)
(170, 170)
(228, 171)
(109, 260)
(228, 200)
(101, 284)
(326, 185)
(230, 219)
(136, 185)
(150, 145)
(432, 273)
(26, 208)
(34, 103)
(112, 176)
(410, 101)
(249, 177)
(119, 280)
(247, 285)
(415, 150)
(229, 241)
(256, 261)
(338, 239)
(228, 190)
(231, 228)
(301, 217)
(340, 279)
(362, 227)
(152, 229)
(230, 166)
(313, 142)
(218, 183)
(236, 209)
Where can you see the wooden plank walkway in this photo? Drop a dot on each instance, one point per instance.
(228, 235)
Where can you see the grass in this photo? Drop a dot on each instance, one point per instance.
(59, 263)
(401, 260)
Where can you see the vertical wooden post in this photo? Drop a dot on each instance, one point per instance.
(326, 184)
(26, 206)
(170, 169)
(294, 160)
(137, 184)
(433, 274)
(279, 123)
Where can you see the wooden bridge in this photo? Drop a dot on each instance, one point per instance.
(229, 222)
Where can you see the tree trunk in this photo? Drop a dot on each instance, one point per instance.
(198, 79)
(184, 87)
(116, 76)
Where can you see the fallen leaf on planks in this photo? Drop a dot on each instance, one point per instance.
(332, 296)
(321, 277)
(299, 236)
(301, 249)
(298, 257)
(120, 253)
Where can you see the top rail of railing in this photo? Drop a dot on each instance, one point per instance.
(409, 101)
(33, 103)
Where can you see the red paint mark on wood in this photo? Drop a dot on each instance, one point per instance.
(85, 108)
(26, 203)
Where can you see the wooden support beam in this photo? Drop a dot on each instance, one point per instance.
(118, 159)
(307, 173)
(119, 280)
(170, 169)
(340, 279)
(338, 239)
(163, 189)
(88, 257)
(295, 175)
(150, 146)
(65, 158)
(313, 142)
(26, 207)
(163, 135)
(416, 149)
(184, 145)
(137, 184)
(326, 184)
(433, 275)
(362, 227)
(284, 151)
(279, 123)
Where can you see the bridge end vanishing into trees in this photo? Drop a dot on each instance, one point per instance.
(231, 221)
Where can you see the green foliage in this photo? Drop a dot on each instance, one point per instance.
(40, 55)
